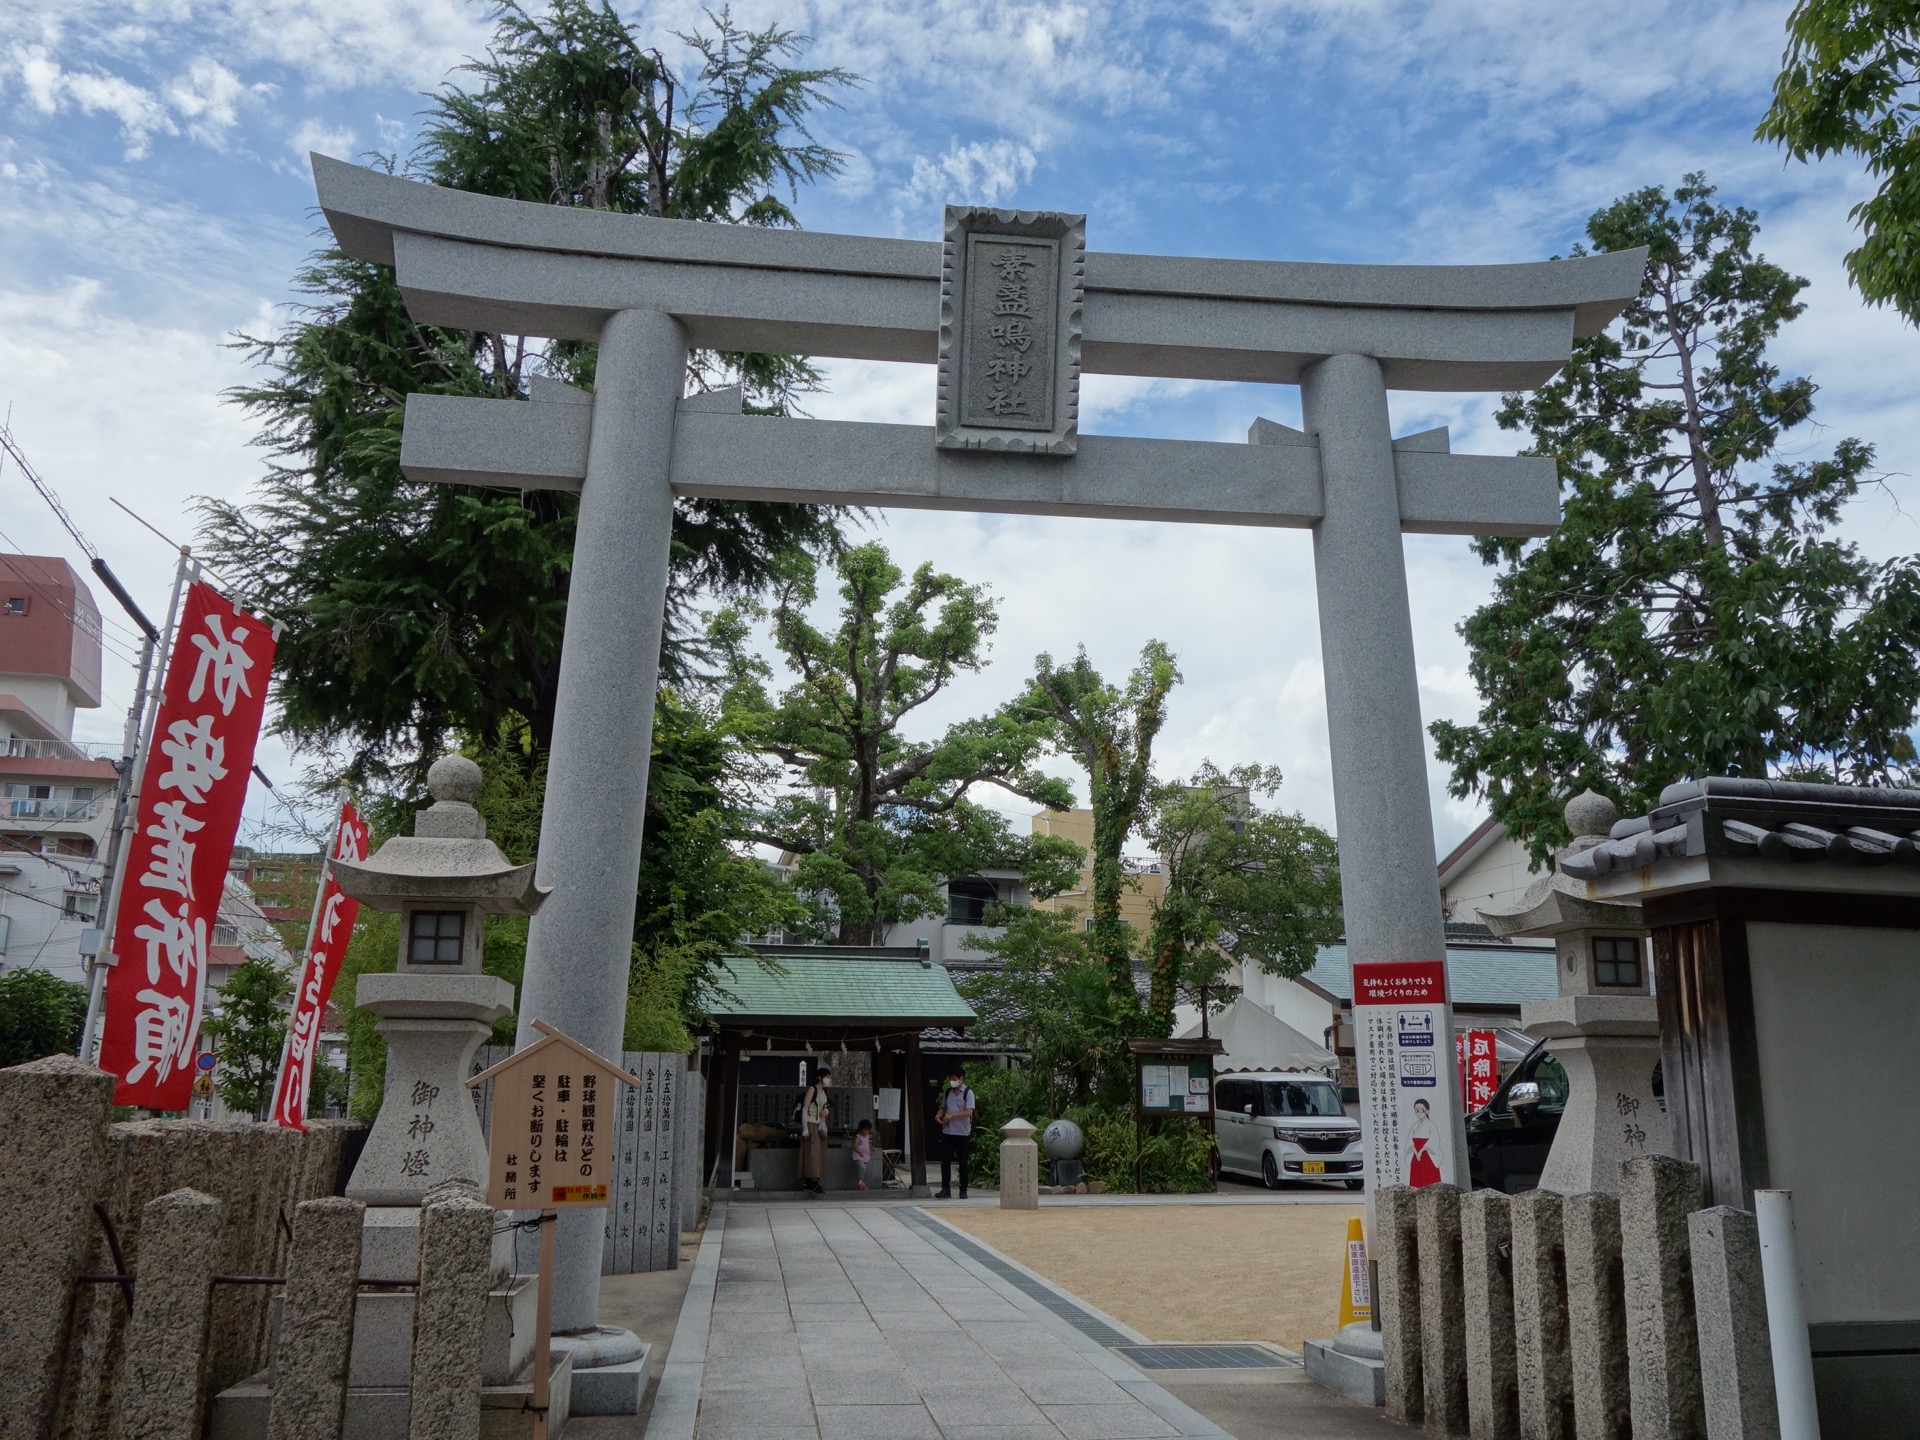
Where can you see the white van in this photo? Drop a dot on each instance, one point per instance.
(1285, 1126)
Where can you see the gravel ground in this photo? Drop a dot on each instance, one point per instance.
(1185, 1272)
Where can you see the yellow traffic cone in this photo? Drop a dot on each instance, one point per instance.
(1356, 1297)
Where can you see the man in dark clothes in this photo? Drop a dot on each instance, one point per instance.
(955, 1117)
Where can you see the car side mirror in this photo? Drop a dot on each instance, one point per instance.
(1247, 1109)
(1524, 1096)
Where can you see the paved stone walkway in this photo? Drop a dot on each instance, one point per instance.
(843, 1323)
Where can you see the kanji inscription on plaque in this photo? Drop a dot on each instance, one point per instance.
(1010, 303)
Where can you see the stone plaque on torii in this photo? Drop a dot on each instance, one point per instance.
(1006, 441)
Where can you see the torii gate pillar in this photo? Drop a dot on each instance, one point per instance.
(590, 828)
(1382, 819)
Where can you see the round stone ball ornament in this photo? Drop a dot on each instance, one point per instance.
(1063, 1140)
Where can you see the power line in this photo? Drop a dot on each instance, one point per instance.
(8, 444)
(99, 565)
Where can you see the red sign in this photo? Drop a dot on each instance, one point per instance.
(175, 865)
(1479, 1058)
(333, 916)
(1400, 982)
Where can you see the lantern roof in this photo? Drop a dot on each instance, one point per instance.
(448, 857)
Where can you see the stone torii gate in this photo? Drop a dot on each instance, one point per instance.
(1011, 308)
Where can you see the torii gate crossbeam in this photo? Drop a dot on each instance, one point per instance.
(646, 290)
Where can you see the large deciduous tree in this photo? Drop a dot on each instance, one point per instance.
(1691, 615)
(416, 613)
(1849, 84)
(1261, 887)
(1108, 730)
(875, 819)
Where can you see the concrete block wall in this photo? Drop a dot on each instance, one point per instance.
(1575, 1317)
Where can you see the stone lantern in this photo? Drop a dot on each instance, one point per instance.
(437, 1007)
(1604, 1024)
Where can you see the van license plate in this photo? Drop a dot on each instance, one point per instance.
(1313, 1167)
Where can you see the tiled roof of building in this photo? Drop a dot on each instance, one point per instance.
(1494, 974)
(804, 986)
(1749, 818)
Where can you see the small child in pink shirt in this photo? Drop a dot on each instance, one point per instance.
(863, 1151)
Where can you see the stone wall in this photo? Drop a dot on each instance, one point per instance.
(1600, 1325)
(59, 1159)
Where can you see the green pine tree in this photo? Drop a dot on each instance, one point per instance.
(1691, 615)
(417, 613)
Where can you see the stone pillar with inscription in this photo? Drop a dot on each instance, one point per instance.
(1604, 1024)
(435, 1008)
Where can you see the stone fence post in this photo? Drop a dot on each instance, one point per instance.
(1596, 1315)
(1657, 1194)
(315, 1339)
(1443, 1316)
(1730, 1304)
(53, 1155)
(456, 1261)
(1396, 1249)
(1493, 1382)
(1540, 1317)
(1019, 1166)
(163, 1387)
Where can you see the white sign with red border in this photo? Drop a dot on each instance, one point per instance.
(1403, 1037)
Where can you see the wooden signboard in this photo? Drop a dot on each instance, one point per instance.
(550, 1147)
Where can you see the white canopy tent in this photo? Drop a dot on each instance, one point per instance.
(1257, 1040)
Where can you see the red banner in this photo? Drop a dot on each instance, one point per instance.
(175, 865)
(1479, 1057)
(333, 916)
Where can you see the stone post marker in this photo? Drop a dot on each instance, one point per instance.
(1730, 1308)
(1657, 1194)
(1605, 1023)
(1540, 1317)
(1486, 1247)
(1019, 1166)
(161, 1386)
(1396, 1249)
(1596, 1315)
(456, 1243)
(1443, 1316)
(53, 1151)
(316, 1321)
(437, 1006)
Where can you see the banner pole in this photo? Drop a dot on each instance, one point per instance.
(313, 929)
(129, 812)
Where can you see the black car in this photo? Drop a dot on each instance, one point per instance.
(1508, 1138)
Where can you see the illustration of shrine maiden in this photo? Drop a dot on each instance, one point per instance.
(1422, 1168)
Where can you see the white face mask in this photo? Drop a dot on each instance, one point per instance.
(953, 1084)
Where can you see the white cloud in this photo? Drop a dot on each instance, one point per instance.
(208, 98)
(313, 134)
(982, 172)
(50, 88)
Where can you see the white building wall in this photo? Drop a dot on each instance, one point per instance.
(1494, 878)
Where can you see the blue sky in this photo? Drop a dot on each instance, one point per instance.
(154, 199)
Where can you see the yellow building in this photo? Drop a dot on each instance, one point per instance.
(1145, 877)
